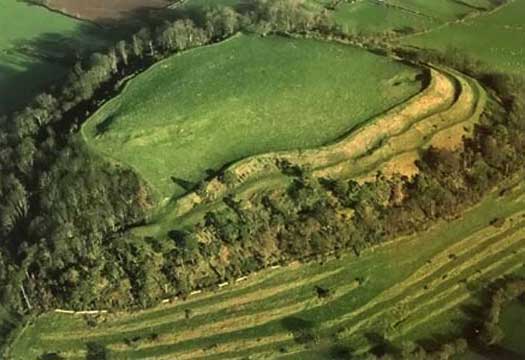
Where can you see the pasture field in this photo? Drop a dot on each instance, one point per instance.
(408, 289)
(37, 46)
(496, 39)
(401, 16)
(249, 95)
(371, 17)
(442, 10)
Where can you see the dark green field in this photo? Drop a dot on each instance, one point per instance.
(36, 48)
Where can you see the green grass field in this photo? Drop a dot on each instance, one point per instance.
(441, 10)
(196, 112)
(403, 16)
(370, 17)
(497, 39)
(409, 289)
(250, 95)
(36, 46)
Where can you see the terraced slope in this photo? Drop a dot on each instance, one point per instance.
(440, 116)
(384, 291)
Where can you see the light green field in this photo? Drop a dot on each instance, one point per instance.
(402, 17)
(35, 46)
(211, 106)
(441, 10)
(405, 290)
(371, 17)
(497, 40)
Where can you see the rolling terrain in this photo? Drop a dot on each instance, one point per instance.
(496, 39)
(233, 120)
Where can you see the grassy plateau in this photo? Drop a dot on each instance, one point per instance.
(341, 112)
(211, 106)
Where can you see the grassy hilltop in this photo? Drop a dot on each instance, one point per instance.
(203, 109)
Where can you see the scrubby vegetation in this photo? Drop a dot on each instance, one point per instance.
(401, 291)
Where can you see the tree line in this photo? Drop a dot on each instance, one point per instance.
(65, 209)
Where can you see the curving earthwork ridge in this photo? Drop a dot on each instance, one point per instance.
(440, 115)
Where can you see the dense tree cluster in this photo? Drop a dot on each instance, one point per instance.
(448, 350)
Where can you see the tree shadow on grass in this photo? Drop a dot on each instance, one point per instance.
(304, 331)
(103, 126)
(31, 66)
(185, 184)
(34, 65)
(96, 351)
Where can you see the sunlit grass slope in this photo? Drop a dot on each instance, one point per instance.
(214, 105)
(403, 17)
(371, 17)
(497, 39)
(443, 10)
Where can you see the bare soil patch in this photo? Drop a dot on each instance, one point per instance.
(103, 11)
